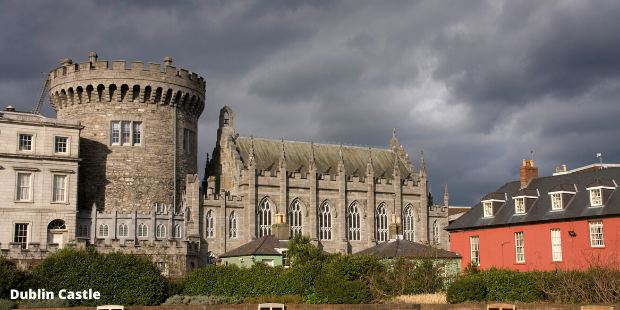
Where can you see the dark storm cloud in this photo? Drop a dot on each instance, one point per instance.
(477, 85)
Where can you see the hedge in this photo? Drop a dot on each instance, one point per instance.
(497, 285)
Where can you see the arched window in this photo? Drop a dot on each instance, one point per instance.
(295, 216)
(143, 230)
(210, 220)
(123, 231)
(264, 219)
(435, 232)
(160, 207)
(233, 225)
(57, 224)
(353, 223)
(160, 231)
(408, 222)
(325, 222)
(177, 231)
(82, 230)
(382, 224)
(103, 230)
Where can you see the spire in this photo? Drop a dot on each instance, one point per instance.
(446, 197)
(311, 163)
(422, 166)
(394, 142)
(341, 160)
(429, 196)
(252, 150)
(369, 168)
(282, 156)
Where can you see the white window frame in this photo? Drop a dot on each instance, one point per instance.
(556, 201)
(596, 197)
(597, 238)
(123, 230)
(20, 194)
(519, 247)
(520, 205)
(325, 222)
(232, 225)
(17, 238)
(115, 133)
(354, 227)
(296, 218)
(474, 245)
(136, 133)
(59, 194)
(210, 224)
(25, 147)
(160, 231)
(264, 218)
(488, 208)
(409, 224)
(143, 230)
(64, 144)
(129, 133)
(104, 230)
(163, 267)
(556, 244)
(382, 223)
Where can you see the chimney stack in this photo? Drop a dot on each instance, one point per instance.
(280, 228)
(528, 172)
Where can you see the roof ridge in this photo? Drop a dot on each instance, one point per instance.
(365, 147)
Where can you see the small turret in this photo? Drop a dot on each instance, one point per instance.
(446, 197)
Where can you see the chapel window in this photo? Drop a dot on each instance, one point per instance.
(325, 222)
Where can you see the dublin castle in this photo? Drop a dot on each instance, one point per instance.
(117, 170)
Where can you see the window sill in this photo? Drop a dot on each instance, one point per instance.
(23, 201)
(59, 202)
(520, 263)
(597, 246)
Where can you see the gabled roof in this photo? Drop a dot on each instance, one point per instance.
(265, 245)
(563, 188)
(404, 248)
(602, 182)
(495, 196)
(326, 156)
(577, 208)
(526, 192)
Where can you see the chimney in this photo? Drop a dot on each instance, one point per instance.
(280, 228)
(564, 167)
(528, 172)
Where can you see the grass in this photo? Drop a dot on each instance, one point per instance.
(437, 298)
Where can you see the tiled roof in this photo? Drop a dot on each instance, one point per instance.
(265, 245)
(577, 208)
(326, 156)
(404, 248)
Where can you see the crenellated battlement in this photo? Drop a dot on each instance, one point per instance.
(95, 82)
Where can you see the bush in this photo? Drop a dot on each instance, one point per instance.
(426, 278)
(467, 288)
(121, 279)
(6, 304)
(350, 267)
(511, 285)
(336, 290)
(11, 278)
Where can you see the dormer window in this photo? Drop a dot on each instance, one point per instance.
(520, 205)
(595, 197)
(556, 201)
(600, 191)
(488, 209)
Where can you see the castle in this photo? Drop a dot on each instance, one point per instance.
(134, 185)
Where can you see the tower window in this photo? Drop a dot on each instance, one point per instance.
(126, 133)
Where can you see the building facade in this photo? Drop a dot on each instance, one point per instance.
(39, 176)
(568, 221)
(344, 198)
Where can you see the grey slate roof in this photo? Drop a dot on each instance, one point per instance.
(264, 245)
(404, 248)
(326, 157)
(577, 208)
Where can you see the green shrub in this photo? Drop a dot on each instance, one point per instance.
(426, 278)
(6, 304)
(511, 285)
(11, 278)
(467, 288)
(336, 290)
(350, 267)
(122, 279)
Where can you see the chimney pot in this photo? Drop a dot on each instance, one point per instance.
(564, 167)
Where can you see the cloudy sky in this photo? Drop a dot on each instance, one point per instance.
(477, 85)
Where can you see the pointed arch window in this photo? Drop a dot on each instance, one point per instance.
(210, 220)
(408, 224)
(325, 222)
(233, 225)
(82, 230)
(295, 218)
(353, 223)
(104, 231)
(435, 232)
(264, 218)
(160, 231)
(143, 230)
(382, 224)
(123, 231)
(177, 231)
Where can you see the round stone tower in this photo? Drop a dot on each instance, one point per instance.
(140, 130)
